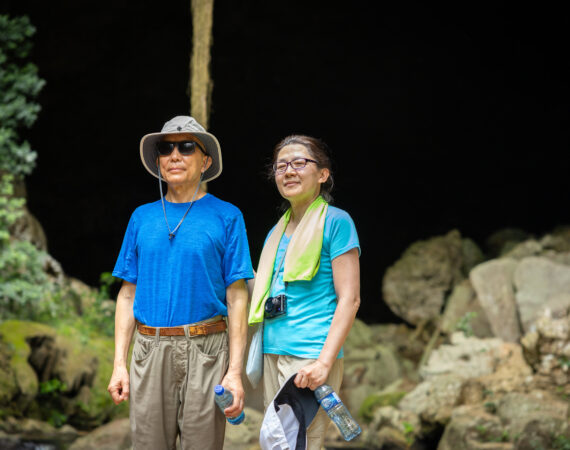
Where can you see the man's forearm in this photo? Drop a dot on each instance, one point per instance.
(124, 323)
(237, 296)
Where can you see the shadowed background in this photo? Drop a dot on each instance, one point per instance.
(438, 117)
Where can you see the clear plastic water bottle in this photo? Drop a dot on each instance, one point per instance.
(339, 414)
(224, 399)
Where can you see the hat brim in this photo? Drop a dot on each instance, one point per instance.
(287, 417)
(211, 144)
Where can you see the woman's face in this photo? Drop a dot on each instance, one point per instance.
(299, 185)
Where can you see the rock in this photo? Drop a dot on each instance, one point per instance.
(434, 399)
(525, 249)
(472, 255)
(22, 431)
(463, 312)
(493, 284)
(466, 357)
(115, 435)
(501, 241)
(28, 228)
(366, 371)
(415, 286)
(392, 428)
(59, 374)
(511, 372)
(558, 240)
(547, 349)
(473, 428)
(389, 396)
(536, 413)
(541, 284)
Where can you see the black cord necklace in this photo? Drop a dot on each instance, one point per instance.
(172, 233)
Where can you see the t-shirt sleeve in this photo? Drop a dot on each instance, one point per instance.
(126, 265)
(237, 260)
(343, 235)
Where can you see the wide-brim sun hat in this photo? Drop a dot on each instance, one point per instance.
(287, 417)
(182, 124)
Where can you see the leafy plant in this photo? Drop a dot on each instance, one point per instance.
(561, 442)
(408, 432)
(464, 323)
(52, 386)
(19, 87)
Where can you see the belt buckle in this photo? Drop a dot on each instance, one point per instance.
(196, 328)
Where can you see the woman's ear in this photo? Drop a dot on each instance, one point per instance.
(325, 173)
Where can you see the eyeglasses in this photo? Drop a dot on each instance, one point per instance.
(185, 148)
(296, 164)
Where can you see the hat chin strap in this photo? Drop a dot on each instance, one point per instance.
(172, 233)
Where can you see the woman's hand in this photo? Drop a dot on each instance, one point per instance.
(312, 375)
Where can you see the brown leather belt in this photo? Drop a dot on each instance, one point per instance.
(193, 330)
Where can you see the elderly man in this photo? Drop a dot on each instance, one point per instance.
(184, 263)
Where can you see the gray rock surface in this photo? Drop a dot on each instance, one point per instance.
(416, 285)
(493, 283)
(540, 284)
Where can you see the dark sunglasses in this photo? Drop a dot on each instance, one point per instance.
(186, 148)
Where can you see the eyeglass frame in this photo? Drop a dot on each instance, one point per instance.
(176, 144)
(290, 163)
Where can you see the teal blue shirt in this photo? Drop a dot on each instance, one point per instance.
(310, 304)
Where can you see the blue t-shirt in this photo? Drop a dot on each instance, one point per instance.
(183, 280)
(310, 304)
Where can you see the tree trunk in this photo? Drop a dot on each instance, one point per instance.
(200, 88)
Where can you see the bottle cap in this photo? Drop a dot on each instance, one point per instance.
(219, 389)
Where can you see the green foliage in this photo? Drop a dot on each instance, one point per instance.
(464, 323)
(53, 386)
(561, 442)
(408, 432)
(374, 401)
(24, 286)
(100, 315)
(19, 87)
(10, 208)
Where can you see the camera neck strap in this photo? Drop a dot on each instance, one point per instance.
(276, 274)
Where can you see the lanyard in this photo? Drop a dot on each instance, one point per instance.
(274, 277)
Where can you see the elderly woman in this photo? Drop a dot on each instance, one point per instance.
(307, 287)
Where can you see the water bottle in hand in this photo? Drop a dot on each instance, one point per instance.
(332, 404)
(224, 398)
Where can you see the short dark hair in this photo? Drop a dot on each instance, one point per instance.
(318, 150)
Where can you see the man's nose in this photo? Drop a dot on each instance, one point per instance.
(175, 153)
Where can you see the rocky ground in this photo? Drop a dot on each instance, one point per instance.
(480, 361)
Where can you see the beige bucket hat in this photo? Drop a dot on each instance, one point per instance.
(182, 124)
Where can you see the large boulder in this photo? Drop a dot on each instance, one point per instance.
(547, 348)
(433, 400)
(474, 428)
(115, 435)
(464, 312)
(367, 371)
(467, 357)
(416, 285)
(540, 285)
(57, 376)
(493, 283)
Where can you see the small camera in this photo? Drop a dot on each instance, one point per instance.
(275, 306)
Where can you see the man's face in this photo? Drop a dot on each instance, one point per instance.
(179, 169)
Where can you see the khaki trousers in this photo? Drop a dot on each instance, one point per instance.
(172, 380)
(278, 368)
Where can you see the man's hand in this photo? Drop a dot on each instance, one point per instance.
(312, 375)
(119, 385)
(232, 382)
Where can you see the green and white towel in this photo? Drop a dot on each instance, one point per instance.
(302, 259)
